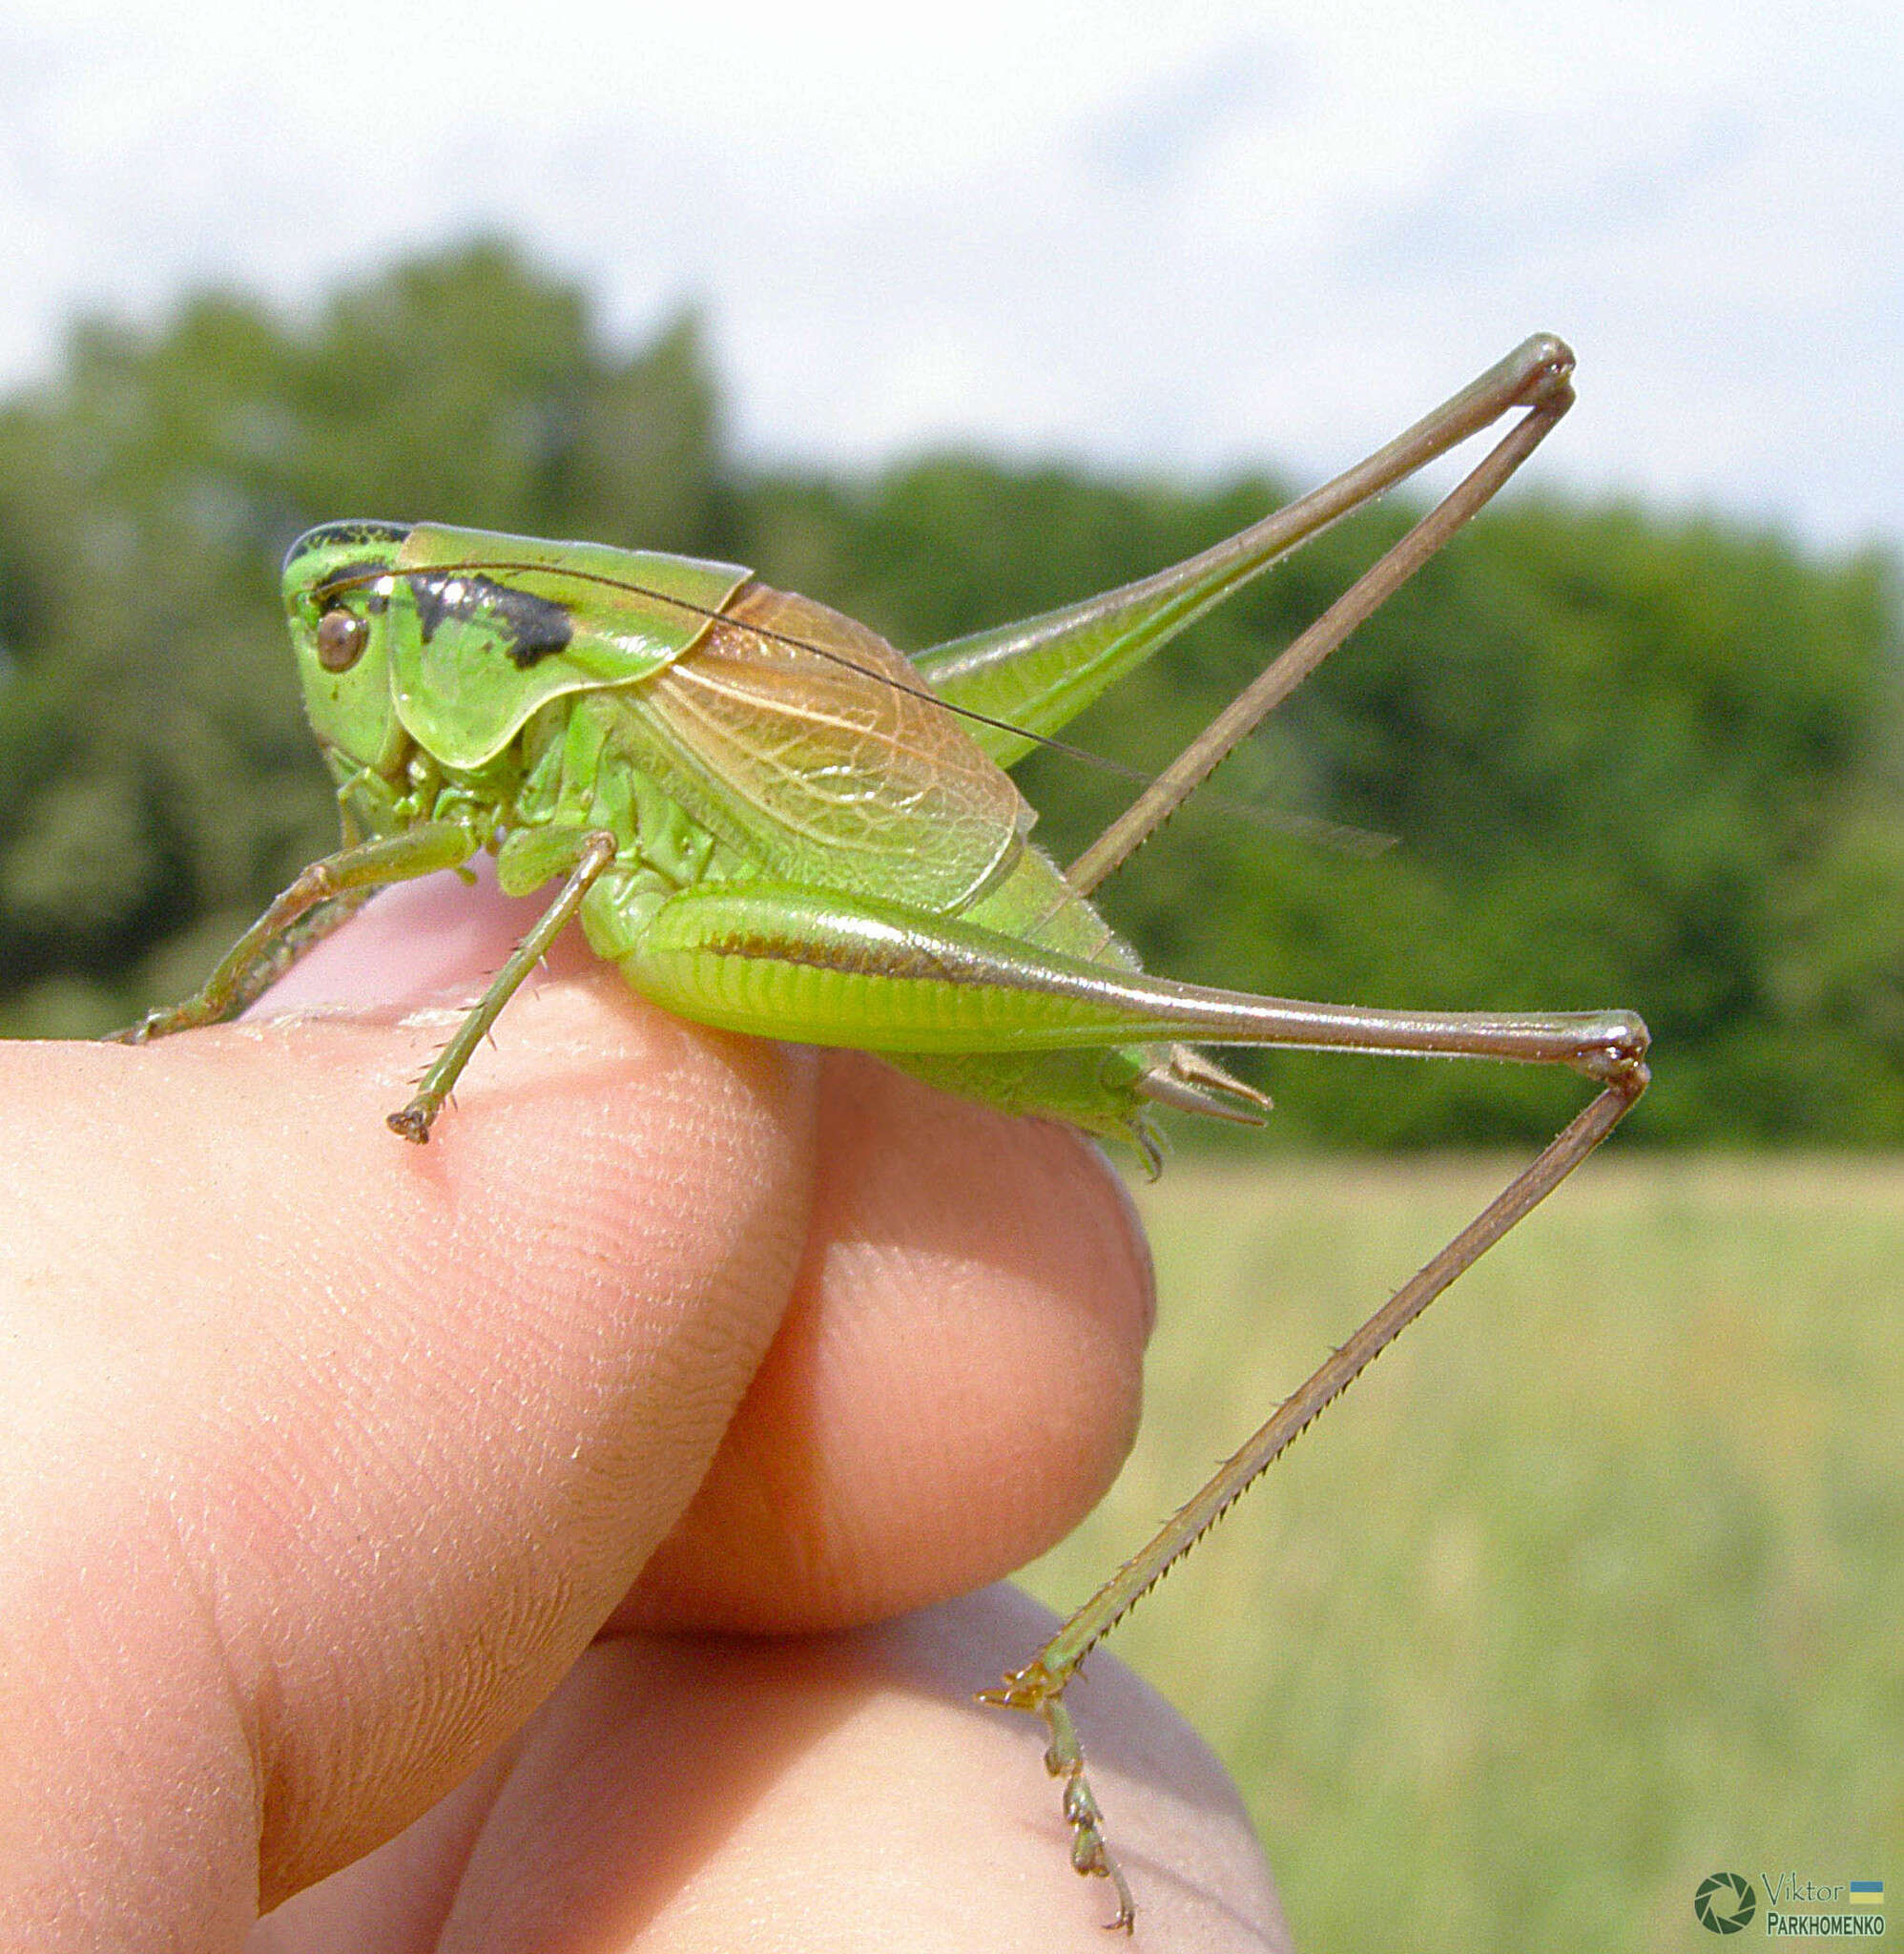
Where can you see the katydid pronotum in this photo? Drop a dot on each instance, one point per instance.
(774, 823)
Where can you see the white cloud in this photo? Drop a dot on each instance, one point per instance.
(1222, 234)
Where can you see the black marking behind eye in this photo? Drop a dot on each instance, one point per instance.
(532, 627)
(347, 578)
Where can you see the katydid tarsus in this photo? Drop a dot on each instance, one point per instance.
(774, 823)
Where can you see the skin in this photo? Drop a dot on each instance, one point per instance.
(375, 1521)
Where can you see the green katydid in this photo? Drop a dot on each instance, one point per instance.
(774, 824)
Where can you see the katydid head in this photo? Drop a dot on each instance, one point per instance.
(453, 639)
(336, 592)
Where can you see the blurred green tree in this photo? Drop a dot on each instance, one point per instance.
(157, 781)
(1627, 759)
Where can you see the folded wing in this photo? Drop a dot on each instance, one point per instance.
(832, 752)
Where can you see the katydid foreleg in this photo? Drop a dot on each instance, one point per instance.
(324, 897)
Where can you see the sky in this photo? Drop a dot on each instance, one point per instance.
(1183, 239)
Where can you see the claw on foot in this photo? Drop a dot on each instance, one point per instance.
(1034, 1691)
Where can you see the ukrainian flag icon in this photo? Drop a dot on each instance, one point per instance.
(1867, 1892)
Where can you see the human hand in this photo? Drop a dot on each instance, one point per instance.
(374, 1520)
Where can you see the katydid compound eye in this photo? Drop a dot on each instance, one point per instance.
(341, 640)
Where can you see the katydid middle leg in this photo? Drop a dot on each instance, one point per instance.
(594, 850)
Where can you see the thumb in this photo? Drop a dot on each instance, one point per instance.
(323, 1456)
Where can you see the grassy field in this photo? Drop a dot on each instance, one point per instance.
(1592, 1587)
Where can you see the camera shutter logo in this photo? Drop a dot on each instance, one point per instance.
(1725, 1903)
